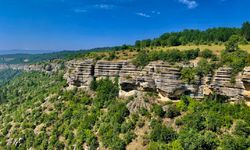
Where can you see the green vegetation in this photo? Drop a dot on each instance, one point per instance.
(7, 74)
(209, 124)
(34, 108)
(213, 35)
(172, 56)
(36, 111)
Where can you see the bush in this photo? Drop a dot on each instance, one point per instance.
(128, 137)
(178, 122)
(157, 109)
(175, 145)
(190, 54)
(233, 43)
(192, 140)
(207, 53)
(230, 142)
(93, 85)
(172, 112)
(237, 60)
(173, 55)
(161, 133)
(194, 121)
(106, 91)
(242, 129)
(204, 68)
(157, 146)
(188, 75)
(141, 59)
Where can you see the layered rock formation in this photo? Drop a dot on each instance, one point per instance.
(160, 77)
(80, 73)
(48, 68)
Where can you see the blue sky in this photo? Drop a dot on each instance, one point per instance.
(80, 24)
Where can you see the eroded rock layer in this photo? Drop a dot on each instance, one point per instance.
(160, 77)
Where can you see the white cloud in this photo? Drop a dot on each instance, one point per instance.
(78, 10)
(104, 6)
(156, 12)
(143, 15)
(189, 3)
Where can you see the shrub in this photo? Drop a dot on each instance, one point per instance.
(162, 133)
(230, 142)
(157, 109)
(128, 137)
(93, 85)
(141, 59)
(173, 55)
(172, 112)
(175, 145)
(157, 146)
(233, 43)
(178, 122)
(106, 91)
(237, 60)
(188, 75)
(194, 121)
(206, 53)
(242, 128)
(190, 54)
(204, 68)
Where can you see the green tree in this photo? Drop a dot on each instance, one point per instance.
(157, 109)
(172, 111)
(162, 133)
(141, 59)
(233, 43)
(246, 30)
(206, 53)
(188, 75)
(204, 68)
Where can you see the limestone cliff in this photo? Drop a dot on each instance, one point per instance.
(160, 77)
(48, 68)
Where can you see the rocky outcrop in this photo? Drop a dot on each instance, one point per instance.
(48, 68)
(222, 84)
(80, 73)
(160, 77)
(138, 103)
(246, 83)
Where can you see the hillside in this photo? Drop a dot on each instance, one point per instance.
(187, 90)
(7, 74)
(37, 112)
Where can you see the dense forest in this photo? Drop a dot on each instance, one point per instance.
(37, 112)
(209, 36)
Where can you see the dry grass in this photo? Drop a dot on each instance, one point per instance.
(215, 48)
(130, 54)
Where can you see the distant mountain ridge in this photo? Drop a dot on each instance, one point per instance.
(21, 51)
(34, 56)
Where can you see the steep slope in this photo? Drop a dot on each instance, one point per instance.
(7, 74)
(37, 112)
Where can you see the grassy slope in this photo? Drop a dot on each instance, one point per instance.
(215, 48)
(130, 54)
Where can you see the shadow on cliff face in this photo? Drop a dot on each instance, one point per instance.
(127, 87)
